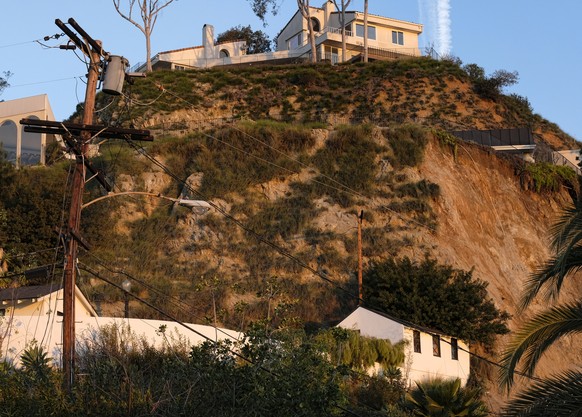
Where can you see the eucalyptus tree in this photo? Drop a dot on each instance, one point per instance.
(342, 5)
(305, 11)
(561, 393)
(261, 8)
(365, 30)
(148, 11)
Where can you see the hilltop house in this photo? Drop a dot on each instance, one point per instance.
(25, 148)
(387, 38)
(208, 54)
(428, 353)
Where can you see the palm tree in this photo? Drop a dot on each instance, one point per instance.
(445, 398)
(561, 393)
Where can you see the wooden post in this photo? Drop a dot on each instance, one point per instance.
(360, 272)
(74, 223)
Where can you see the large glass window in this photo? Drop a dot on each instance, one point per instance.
(371, 31)
(397, 37)
(296, 41)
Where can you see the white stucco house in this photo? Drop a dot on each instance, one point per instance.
(34, 315)
(387, 38)
(428, 353)
(25, 148)
(208, 54)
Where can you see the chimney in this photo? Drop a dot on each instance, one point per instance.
(208, 41)
(328, 8)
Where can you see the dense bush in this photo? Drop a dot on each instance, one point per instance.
(545, 177)
(347, 165)
(436, 296)
(32, 202)
(408, 143)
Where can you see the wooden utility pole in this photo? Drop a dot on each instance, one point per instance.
(74, 224)
(360, 272)
(77, 138)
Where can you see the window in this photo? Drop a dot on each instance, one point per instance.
(416, 341)
(371, 31)
(2, 312)
(224, 53)
(397, 37)
(331, 54)
(454, 349)
(436, 345)
(295, 41)
(316, 25)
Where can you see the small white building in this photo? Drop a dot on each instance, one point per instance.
(387, 38)
(428, 353)
(25, 148)
(41, 300)
(34, 314)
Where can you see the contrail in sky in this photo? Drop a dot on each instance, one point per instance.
(444, 27)
(436, 17)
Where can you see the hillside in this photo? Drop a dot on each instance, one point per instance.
(345, 139)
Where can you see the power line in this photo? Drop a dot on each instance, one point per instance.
(208, 339)
(43, 82)
(255, 234)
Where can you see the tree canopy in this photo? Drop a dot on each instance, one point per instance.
(436, 296)
(257, 41)
(262, 7)
(4, 81)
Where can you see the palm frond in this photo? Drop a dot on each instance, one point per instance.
(567, 245)
(538, 335)
(560, 395)
(551, 276)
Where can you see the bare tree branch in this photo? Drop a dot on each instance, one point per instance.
(149, 10)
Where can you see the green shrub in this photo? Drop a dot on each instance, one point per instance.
(420, 189)
(544, 177)
(408, 143)
(347, 160)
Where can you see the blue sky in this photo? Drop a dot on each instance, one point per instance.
(537, 38)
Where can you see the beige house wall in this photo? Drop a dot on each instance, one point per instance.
(25, 148)
(424, 365)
